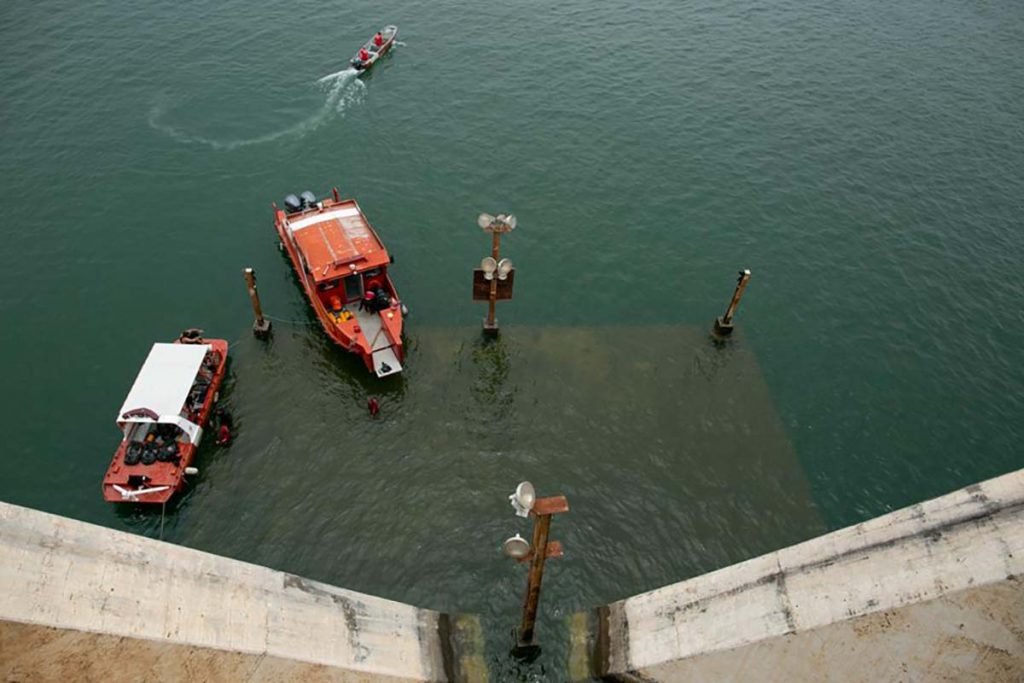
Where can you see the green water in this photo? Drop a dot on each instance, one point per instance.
(865, 159)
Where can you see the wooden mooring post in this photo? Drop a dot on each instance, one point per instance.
(260, 326)
(723, 325)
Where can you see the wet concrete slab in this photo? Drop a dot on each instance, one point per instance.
(669, 448)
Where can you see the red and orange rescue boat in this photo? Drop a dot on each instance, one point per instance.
(343, 266)
(163, 417)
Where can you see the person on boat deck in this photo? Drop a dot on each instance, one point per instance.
(381, 301)
(363, 54)
(368, 301)
(378, 39)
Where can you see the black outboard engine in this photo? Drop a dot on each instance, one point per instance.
(293, 204)
(357, 63)
(308, 198)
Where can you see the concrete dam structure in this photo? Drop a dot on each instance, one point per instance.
(85, 603)
(932, 592)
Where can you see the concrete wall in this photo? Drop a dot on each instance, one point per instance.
(81, 602)
(933, 592)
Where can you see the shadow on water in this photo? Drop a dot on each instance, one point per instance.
(156, 521)
(492, 359)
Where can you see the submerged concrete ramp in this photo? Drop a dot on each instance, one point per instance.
(80, 602)
(933, 592)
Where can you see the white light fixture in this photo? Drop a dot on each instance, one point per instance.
(488, 265)
(516, 547)
(504, 268)
(523, 499)
(485, 220)
(510, 221)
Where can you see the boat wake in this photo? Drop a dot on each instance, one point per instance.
(342, 91)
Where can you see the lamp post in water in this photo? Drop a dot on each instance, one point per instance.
(493, 279)
(525, 503)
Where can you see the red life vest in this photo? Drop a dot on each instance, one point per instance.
(378, 40)
(363, 54)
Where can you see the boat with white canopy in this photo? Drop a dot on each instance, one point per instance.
(162, 418)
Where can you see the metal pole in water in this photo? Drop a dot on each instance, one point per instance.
(723, 325)
(494, 279)
(525, 503)
(541, 529)
(491, 324)
(260, 326)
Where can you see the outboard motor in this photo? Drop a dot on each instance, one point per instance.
(308, 198)
(293, 204)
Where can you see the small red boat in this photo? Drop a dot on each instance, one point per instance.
(343, 266)
(163, 418)
(370, 52)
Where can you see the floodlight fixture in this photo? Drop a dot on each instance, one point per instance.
(523, 499)
(516, 547)
(504, 268)
(489, 266)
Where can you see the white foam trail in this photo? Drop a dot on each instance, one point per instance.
(343, 91)
(336, 74)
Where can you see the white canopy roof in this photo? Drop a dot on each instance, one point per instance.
(163, 385)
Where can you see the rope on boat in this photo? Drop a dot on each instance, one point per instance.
(290, 322)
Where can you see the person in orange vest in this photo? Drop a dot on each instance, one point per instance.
(378, 39)
(364, 56)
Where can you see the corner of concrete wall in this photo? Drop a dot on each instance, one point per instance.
(932, 592)
(83, 602)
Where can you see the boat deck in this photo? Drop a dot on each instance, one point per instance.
(385, 360)
(373, 330)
